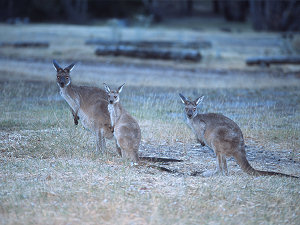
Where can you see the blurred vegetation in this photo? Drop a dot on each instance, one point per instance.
(275, 15)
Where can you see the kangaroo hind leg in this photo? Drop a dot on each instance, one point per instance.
(219, 164)
(100, 140)
(118, 149)
(224, 165)
(133, 156)
(219, 167)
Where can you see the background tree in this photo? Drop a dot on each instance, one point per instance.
(276, 15)
(273, 15)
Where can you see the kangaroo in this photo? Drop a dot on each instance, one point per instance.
(89, 104)
(126, 129)
(221, 134)
(128, 133)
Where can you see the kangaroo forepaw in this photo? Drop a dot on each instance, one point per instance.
(112, 129)
(201, 142)
(76, 118)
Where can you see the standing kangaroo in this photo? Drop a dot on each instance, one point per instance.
(89, 104)
(126, 129)
(222, 135)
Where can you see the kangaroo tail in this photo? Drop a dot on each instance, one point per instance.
(156, 159)
(246, 167)
(271, 173)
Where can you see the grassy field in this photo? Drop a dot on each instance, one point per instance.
(51, 174)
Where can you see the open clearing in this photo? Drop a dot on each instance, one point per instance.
(51, 174)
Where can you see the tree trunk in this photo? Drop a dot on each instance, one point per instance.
(75, 13)
(233, 10)
(257, 14)
(190, 7)
(216, 7)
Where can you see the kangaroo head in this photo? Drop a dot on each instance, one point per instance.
(191, 106)
(113, 96)
(63, 75)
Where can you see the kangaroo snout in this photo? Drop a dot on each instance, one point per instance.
(61, 84)
(190, 115)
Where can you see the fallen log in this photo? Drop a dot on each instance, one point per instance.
(149, 53)
(273, 60)
(25, 44)
(153, 44)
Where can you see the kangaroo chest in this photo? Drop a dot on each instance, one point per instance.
(198, 129)
(112, 114)
(74, 103)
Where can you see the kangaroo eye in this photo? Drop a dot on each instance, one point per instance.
(57, 77)
(115, 96)
(67, 77)
(194, 109)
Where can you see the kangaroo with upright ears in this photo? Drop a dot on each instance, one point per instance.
(126, 129)
(221, 134)
(89, 104)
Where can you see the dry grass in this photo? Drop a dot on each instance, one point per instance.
(50, 173)
(149, 76)
(90, 192)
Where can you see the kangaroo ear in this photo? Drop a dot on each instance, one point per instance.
(70, 67)
(56, 65)
(183, 99)
(120, 88)
(199, 100)
(107, 89)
